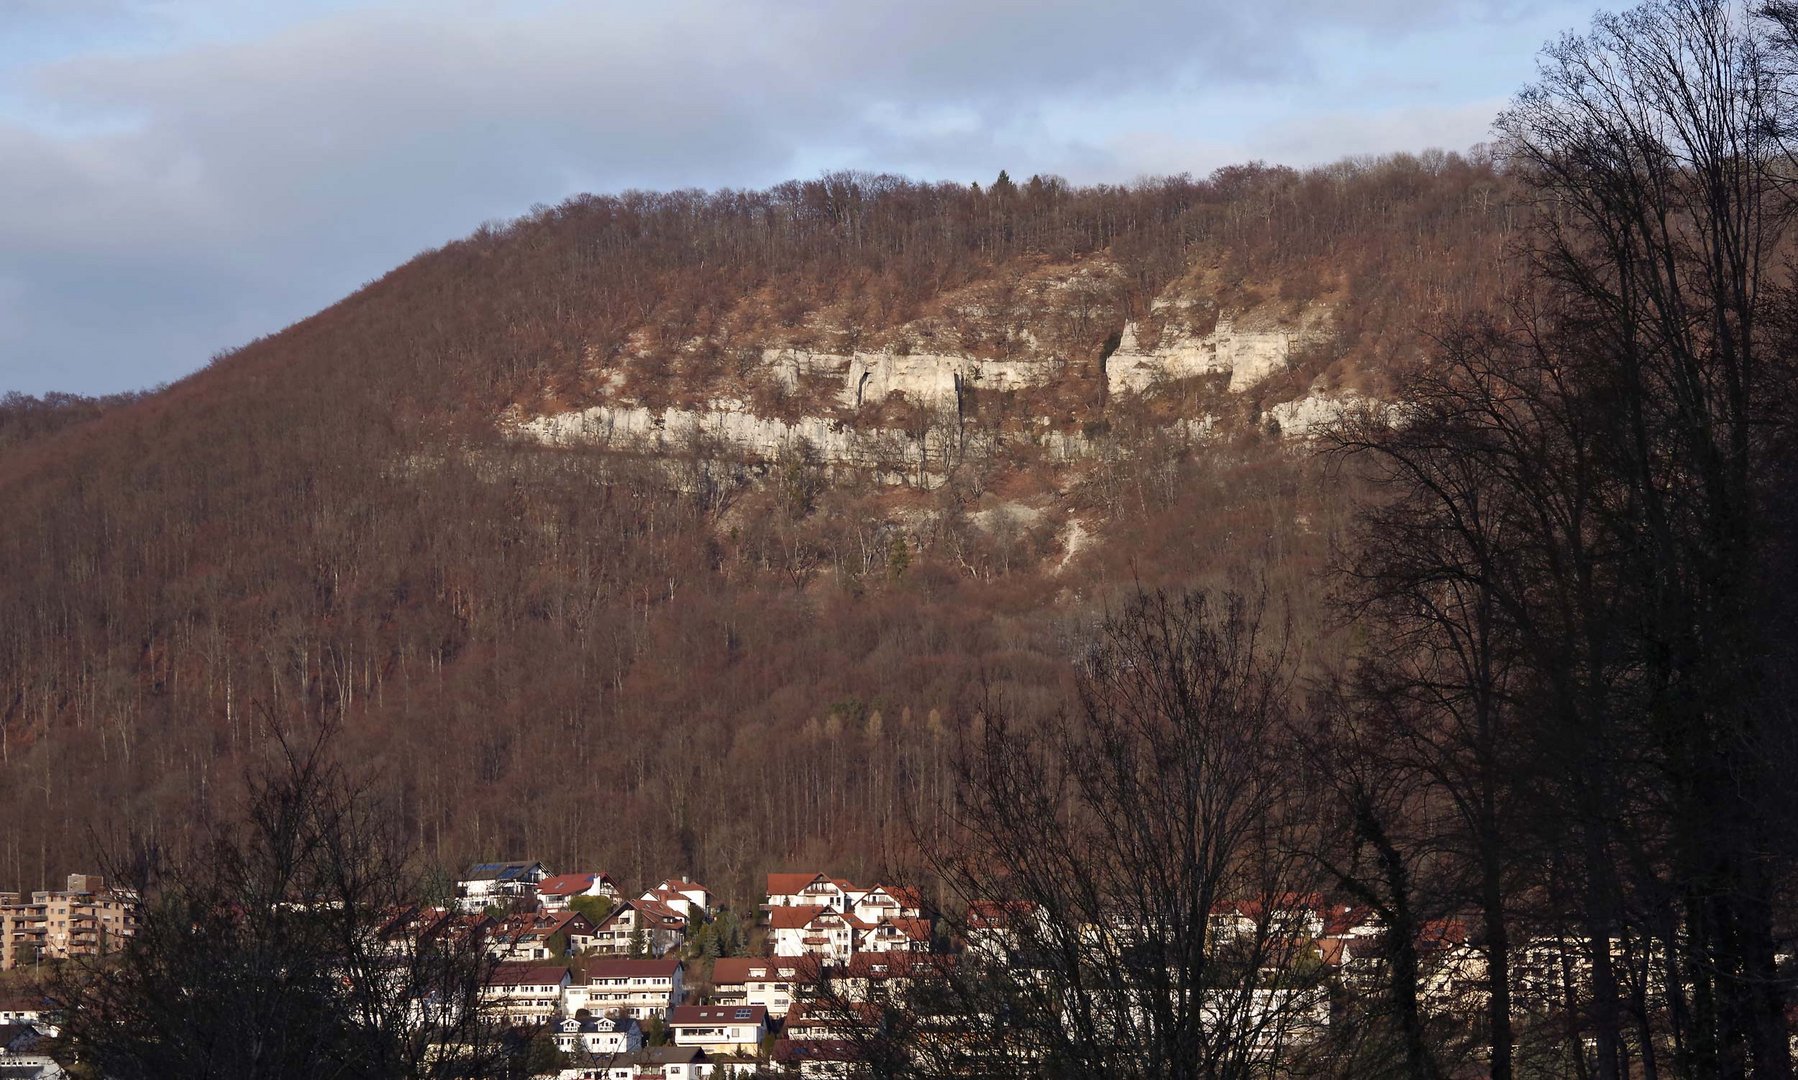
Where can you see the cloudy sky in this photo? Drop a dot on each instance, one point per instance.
(179, 176)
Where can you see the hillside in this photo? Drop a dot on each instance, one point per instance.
(675, 533)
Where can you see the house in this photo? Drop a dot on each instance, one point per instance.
(815, 1021)
(541, 936)
(640, 927)
(668, 1063)
(773, 984)
(812, 930)
(886, 902)
(21, 1010)
(558, 890)
(502, 884)
(639, 988)
(524, 993)
(901, 934)
(604, 1036)
(998, 928)
(1290, 915)
(821, 1059)
(686, 897)
(85, 919)
(881, 977)
(731, 1028)
(808, 890)
(20, 1039)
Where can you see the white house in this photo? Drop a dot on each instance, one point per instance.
(886, 902)
(605, 1036)
(996, 928)
(556, 892)
(1288, 916)
(679, 893)
(525, 993)
(773, 984)
(650, 925)
(808, 890)
(501, 883)
(904, 934)
(878, 977)
(541, 936)
(813, 931)
(639, 988)
(668, 1063)
(730, 1028)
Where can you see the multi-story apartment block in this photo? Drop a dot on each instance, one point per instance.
(85, 919)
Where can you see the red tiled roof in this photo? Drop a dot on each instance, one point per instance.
(790, 884)
(607, 968)
(565, 884)
(906, 895)
(526, 974)
(794, 918)
(915, 929)
(997, 914)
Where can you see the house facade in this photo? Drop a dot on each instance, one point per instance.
(813, 931)
(728, 1028)
(525, 993)
(84, 919)
(607, 1036)
(502, 884)
(774, 984)
(637, 988)
(557, 891)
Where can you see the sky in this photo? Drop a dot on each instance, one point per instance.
(178, 177)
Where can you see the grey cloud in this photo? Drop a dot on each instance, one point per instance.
(186, 199)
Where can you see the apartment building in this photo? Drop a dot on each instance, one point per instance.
(85, 919)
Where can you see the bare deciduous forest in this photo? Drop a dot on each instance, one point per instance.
(327, 520)
(1503, 663)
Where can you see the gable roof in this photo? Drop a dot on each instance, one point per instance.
(797, 917)
(912, 929)
(791, 884)
(566, 884)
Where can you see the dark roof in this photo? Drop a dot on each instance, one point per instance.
(658, 1055)
(16, 1037)
(718, 1014)
(501, 871)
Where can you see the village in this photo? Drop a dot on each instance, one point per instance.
(670, 984)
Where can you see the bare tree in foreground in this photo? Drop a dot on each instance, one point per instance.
(1124, 876)
(291, 945)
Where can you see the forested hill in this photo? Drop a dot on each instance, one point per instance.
(674, 533)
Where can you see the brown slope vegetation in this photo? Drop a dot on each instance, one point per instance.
(646, 665)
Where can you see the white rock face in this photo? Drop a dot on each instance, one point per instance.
(924, 378)
(1249, 355)
(728, 424)
(1307, 417)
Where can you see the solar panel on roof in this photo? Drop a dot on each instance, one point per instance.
(742, 1014)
